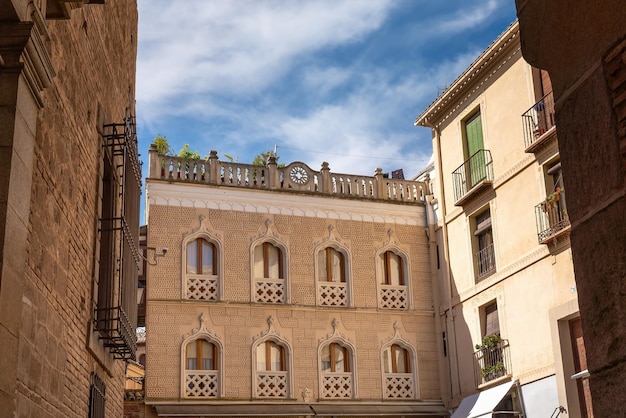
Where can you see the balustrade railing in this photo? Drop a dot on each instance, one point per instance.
(539, 119)
(393, 297)
(296, 176)
(202, 287)
(551, 216)
(476, 170)
(492, 362)
(337, 385)
(399, 386)
(332, 293)
(273, 384)
(269, 290)
(201, 384)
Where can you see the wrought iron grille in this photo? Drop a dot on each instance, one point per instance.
(492, 362)
(539, 119)
(97, 397)
(476, 170)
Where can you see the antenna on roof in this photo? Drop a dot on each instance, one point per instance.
(275, 150)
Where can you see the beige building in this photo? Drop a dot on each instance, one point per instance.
(288, 292)
(69, 206)
(508, 313)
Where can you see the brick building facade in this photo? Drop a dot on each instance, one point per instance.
(67, 75)
(287, 291)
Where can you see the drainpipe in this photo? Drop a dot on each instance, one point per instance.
(450, 336)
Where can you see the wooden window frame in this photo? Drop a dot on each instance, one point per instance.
(346, 357)
(266, 258)
(394, 363)
(387, 268)
(268, 356)
(200, 355)
(199, 262)
(328, 252)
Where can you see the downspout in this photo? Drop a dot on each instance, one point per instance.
(451, 337)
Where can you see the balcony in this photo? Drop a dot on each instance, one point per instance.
(201, 383)
(485, 262)
(538, 122)
(393, 296)
(332, 293)
(474, 175)
(271, 384)
(492, 361)
(399, 386)
(551, 216)
(336, 385)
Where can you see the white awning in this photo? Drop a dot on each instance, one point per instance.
(483, 403)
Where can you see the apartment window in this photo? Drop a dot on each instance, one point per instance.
(97, 397)
(332, 287)
(270, 356)
(473, 146)
(484, 255)
(115, 313)
(491, 322)
(201, 270)
(335, 358)
(492, 357)
(268, 274)
(201, 369)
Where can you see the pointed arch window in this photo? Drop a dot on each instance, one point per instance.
(332, 281)
(272, 375)
(201, 269)
(393, 282)
(336, 371)
(201, 369)
(268, 269)
(398, 372)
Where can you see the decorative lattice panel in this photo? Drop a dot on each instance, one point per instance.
(201, 288)
(201, 384)
(336, 385)
(393, 297)
(399, 386)
(332, 294)
(271, 385)
(269, 292)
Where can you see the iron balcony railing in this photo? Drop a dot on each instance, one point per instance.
(485, 262)
(476, 170)
(551, 216)
(492, 362)
(539, 119)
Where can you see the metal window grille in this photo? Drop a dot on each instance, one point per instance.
(97, 397)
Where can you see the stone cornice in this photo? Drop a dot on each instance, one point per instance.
(261, 201)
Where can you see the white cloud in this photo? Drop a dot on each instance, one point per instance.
(238, 47)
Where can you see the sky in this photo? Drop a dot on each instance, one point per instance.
(340, 81)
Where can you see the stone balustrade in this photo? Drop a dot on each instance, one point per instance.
(296, 176)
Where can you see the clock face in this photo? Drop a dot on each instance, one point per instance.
(298, 175)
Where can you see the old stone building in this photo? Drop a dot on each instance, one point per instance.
(509, 311)
(69, 198)
(287, 292)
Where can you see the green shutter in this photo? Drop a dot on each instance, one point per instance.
(474, 134)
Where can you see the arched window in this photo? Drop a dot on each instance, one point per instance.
(271, 377)
(268, 273)
(201, 369)
(393, 269)
(397, 360)
(335, 358)
(398, 372)
(270, 356)
(201, 355)
(332, 277)
(268, 261)
(331, 265)
(201, 269)
(201, 257)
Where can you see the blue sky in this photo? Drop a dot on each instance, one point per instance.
(336, 81)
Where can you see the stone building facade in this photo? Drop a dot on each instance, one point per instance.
(67, 76)
(287, 292)
(583, 50)
(509, 309)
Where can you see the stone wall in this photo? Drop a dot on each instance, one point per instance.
(84, 76)
(583, 50)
